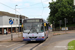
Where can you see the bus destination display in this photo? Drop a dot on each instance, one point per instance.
(32, 20)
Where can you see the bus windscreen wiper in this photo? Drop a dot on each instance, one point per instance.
(29, 31)
(33, 30)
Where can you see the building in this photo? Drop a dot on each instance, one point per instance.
(5, 17)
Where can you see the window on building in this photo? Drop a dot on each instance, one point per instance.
(16, 21)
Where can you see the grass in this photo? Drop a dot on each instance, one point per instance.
(71, 45)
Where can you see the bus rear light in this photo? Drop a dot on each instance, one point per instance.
(42, 37)
(23, 37)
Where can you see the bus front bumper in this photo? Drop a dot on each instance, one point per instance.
(39, 39)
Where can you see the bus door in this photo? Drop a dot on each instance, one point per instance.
(46, 29)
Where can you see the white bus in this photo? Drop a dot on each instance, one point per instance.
(35, 29)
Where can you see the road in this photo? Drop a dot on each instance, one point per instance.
(23, 45)
(19, 45)
(54, 39)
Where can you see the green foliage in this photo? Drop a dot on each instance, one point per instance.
(61, 9)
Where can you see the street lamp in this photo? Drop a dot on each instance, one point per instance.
(15, 17)
(65, 25)
(60, 24)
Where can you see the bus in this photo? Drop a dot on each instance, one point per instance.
(35, 29)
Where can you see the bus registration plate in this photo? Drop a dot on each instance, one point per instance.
(33, 40)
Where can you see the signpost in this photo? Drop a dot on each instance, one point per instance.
(11, 22)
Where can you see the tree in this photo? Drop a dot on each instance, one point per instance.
(61, 9)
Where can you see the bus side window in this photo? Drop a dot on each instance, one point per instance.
(42, 29)
(46, 27)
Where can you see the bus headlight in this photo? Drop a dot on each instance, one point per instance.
(25, 37)
(40, 37)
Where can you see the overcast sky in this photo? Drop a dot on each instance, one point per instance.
(29, 8)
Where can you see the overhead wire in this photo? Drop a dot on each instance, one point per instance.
(24, 7)
(34, 4)
(43, 8)
(9, 7)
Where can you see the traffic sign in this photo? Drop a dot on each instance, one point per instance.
(10, 22)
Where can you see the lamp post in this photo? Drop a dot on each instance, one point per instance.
(60, 24)
(65, 25)
(15, 17)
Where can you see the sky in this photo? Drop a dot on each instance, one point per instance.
(28, 8)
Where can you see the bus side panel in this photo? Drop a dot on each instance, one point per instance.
(46, 34)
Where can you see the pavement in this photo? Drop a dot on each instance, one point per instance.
(18, 38)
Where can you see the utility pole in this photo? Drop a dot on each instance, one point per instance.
(19, 24)
(11, 34)
(53, 26)
(15, 18)
(60, 25)
(65, 25)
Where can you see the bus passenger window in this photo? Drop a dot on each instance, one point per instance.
(42, 29)
(46, 27)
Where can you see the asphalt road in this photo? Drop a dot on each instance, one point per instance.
(23, 45)
(56, 38)
(31, 45)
